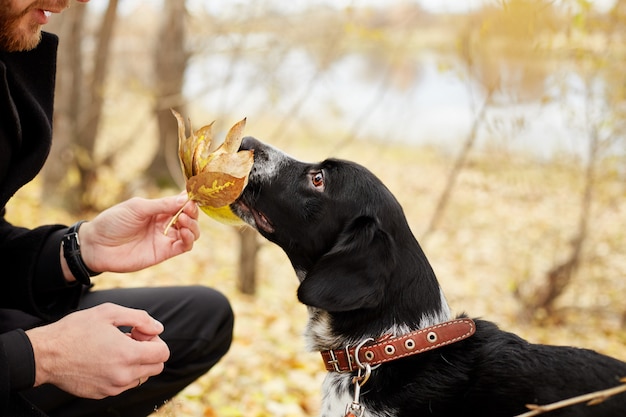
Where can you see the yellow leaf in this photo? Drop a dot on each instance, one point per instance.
(223, 215)
(234, 164)
(202, 145)
(233, 137)
(214, 180)
(214, 189)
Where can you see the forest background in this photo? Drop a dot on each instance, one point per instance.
(500, 129)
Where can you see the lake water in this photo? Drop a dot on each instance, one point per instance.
(436, 107)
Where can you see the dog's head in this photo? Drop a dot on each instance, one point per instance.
(333, 220)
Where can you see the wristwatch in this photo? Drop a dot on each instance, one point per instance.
(71, 253)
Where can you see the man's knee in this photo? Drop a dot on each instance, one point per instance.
(218, 311)
(202, 328)
(211, 309)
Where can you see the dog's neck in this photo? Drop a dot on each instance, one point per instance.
(324, 333)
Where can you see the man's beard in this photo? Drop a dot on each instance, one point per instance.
(12, 37)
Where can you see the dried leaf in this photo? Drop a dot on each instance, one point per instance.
(237, 164)
(233, 137)
(202, 144)
(215, 179)
(214, 189)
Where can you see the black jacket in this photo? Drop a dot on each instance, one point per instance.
(31, 279)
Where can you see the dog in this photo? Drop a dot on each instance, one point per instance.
(379, 316)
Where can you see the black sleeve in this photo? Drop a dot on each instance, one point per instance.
(32, 280)
(19, 368)
(17, 372)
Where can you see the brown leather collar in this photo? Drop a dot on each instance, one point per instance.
(390, 348)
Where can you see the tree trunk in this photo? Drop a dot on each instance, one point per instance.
(78, 107)
(92, 104)
(249, 247)
(170, 61)
(459, 163)
(69, 28)
(560, 275)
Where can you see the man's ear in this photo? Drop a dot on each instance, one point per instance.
(353, 274)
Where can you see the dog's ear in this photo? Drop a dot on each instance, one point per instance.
(353, 273)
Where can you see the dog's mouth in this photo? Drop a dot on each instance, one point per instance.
(248, 213)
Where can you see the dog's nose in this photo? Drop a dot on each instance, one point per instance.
(249, 143)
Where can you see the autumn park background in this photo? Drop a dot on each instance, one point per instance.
(501, 128)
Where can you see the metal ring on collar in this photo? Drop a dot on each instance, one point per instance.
(357, 349)
(363, 379)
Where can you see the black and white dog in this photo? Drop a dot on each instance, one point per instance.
(377, 313)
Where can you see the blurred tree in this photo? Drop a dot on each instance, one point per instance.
(69, 27)
(78, 109)
(170, 62)
(248, 254)
(593, 43)
(499, 56)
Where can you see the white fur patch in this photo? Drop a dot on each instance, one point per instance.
(431, 319)
(267, 165)
(337, 396)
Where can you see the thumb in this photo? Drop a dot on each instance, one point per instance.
(170, 204)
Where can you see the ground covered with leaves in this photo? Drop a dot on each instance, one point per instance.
(509, 221)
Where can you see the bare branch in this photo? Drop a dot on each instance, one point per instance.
(592, 398)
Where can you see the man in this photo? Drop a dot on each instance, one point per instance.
(66, 350)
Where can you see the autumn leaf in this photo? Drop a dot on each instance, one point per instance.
(214, 179)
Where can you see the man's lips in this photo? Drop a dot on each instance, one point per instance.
(43, 11)
(41, 16)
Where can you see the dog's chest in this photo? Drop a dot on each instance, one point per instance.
(336, 396)
(336, 389)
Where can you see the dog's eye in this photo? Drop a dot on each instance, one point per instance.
(317, 179)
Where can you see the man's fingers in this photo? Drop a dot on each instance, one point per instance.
(140, 336)
(150, 349)
(145, 372)
(151, 370)
(130, 317)
(152, 352)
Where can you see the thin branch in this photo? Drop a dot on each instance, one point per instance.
(459, 163)
(592, 398)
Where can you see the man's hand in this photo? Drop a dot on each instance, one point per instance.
(129, 236)
(86, 354)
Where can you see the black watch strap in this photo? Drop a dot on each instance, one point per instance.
(71, 252)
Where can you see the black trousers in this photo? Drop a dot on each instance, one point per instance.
(198, 325)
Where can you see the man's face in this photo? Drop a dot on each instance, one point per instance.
(21, 22)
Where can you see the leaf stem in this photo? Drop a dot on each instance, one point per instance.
(175, 217)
